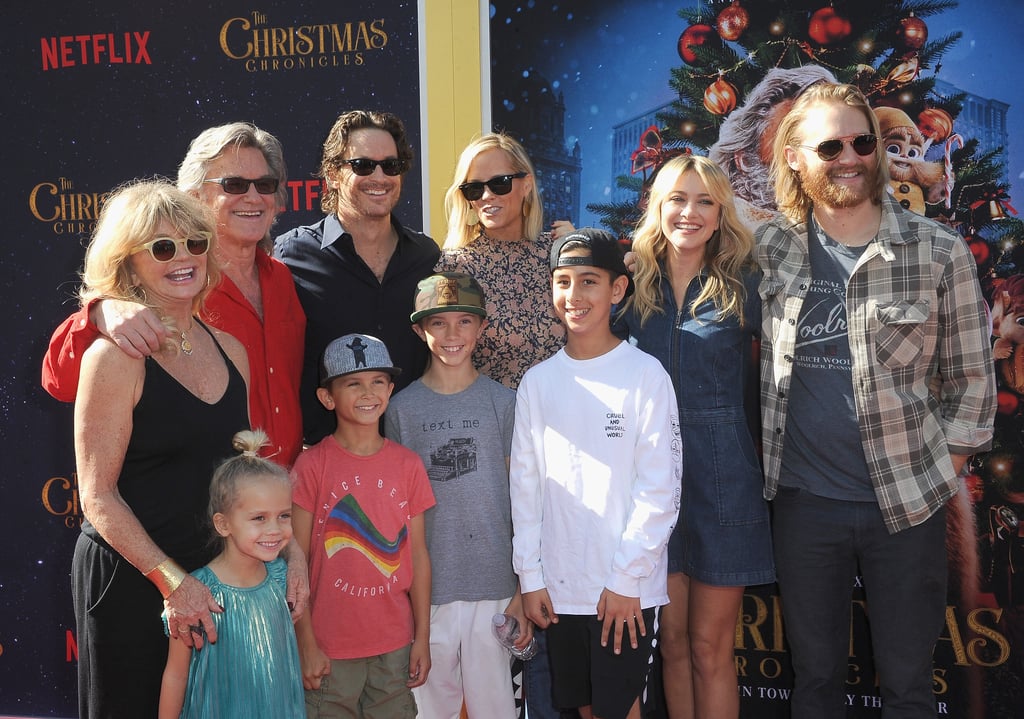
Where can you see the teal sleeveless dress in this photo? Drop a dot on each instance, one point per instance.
(252, 672)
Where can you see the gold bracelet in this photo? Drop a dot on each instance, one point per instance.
(167, 576)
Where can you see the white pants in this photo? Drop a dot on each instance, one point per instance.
(466, 662)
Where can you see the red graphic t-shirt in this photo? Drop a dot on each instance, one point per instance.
(359, 555)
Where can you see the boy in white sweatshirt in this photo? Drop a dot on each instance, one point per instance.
(595, 487)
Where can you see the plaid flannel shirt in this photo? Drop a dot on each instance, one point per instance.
(914, 310)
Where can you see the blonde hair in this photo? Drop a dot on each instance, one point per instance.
(129, 218)
(458, 209)
(726, 254)
(245, 466)
(790, 195)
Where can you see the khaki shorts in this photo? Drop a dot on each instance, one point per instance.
(366, 688)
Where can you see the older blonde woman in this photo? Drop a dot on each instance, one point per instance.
(495, 233)
(147, 433)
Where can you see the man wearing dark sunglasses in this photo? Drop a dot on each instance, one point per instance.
(356, 270)
(876, 386)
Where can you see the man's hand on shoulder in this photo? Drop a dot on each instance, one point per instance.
(133, 327)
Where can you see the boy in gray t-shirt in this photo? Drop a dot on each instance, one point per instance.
(460, 423)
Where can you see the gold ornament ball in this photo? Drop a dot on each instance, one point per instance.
(935, 123)
(720, 97)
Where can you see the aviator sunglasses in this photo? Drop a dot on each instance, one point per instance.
(240, 185)
(364, 167)
(829, 150)
(499, 185)
(164, 249)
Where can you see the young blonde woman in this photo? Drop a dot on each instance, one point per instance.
(696, 308)
(495, 233)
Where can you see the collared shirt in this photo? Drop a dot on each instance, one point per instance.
(915, 311)
(340, 294)
(273, 344)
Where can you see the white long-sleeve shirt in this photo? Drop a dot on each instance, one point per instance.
(595, 478)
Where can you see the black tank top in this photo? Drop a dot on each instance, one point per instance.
(177, 441)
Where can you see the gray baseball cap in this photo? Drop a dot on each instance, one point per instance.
(355, 353)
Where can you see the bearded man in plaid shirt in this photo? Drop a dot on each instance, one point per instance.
(877, 384)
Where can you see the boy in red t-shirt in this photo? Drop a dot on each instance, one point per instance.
(358, 514)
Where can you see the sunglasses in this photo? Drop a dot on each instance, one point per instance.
(499, 185)
(829, 150)
(240, 185)
(364, 167)
(164, 249)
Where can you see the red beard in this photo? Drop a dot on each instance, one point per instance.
(819, 186)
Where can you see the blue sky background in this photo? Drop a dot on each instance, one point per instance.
(612, 61)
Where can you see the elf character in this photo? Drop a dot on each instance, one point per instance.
(1008, 329)
(913, 180)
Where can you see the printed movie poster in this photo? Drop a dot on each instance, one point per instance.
(97, 94)
(603, 92)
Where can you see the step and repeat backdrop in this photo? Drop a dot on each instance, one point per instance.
(100, 93)
(600, 92)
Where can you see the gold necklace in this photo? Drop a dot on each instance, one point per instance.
(185, 345)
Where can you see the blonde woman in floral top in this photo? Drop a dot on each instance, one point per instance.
(495, 233)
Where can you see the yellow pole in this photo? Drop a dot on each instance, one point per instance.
(453, 88)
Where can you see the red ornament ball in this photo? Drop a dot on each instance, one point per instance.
(732, 21)
(827, 26)
(720, 98)
(1006, 402)
(979, 248)
(692, 37)
(912, 32)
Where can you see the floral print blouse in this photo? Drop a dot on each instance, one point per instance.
(522, 328)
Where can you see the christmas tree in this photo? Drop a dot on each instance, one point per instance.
(728, 47)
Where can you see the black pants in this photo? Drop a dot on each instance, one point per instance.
(122, 648)
(819, 544)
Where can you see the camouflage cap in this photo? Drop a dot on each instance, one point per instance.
(448, 292)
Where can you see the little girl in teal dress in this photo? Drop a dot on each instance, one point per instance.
(252, 671)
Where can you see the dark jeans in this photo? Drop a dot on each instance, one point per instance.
(537, 682)
(818, 545)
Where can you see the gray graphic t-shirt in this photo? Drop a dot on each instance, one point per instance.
(464, 440)
(822, 452)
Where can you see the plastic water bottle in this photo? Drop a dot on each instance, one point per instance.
(506, 631)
